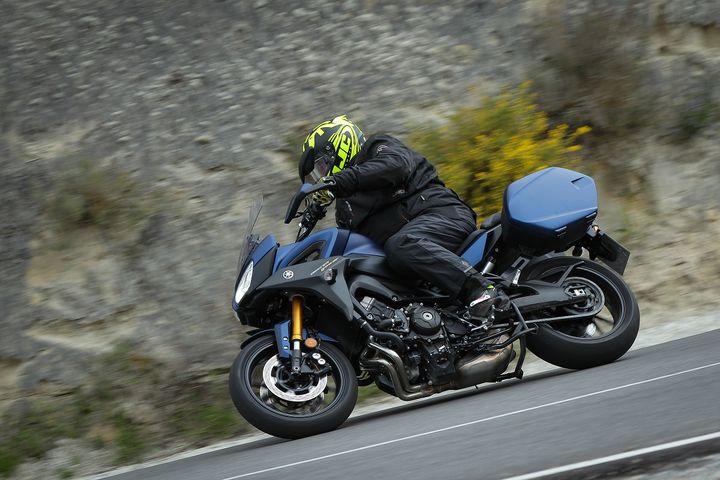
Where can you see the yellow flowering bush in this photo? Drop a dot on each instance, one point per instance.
(481, 149)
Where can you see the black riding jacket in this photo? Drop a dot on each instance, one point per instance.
(389, 184)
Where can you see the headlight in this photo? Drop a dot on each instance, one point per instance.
(244, 283)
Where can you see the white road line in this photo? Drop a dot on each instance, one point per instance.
(474, 422)
(619, 456)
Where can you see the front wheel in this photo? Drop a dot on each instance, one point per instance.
(595, 340)
(291, 406)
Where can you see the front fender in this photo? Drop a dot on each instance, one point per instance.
(253, 334)
(281, 331)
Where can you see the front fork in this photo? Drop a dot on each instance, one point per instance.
(296, 336)
(291, 336)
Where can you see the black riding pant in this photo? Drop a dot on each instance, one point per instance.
(425, 248)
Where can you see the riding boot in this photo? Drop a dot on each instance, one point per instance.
(480, 295)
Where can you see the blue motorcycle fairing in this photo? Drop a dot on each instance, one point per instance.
(311, 277)
(475, 252)
(266, 247)
(267, 244)
(361, 245)
(331, 240)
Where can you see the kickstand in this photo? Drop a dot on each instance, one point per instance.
(521, 330)
(518, 372)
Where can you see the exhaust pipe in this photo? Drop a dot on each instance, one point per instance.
(470, 370)
(393, 367)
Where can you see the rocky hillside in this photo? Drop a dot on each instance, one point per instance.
(133, 136)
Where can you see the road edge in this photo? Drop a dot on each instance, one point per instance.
(627, 462)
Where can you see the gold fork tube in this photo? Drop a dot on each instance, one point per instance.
(297, 318)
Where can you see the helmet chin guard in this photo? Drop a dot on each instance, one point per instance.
(329, 148)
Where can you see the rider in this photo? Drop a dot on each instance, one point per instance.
(392, 194)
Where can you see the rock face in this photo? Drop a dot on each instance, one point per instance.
(200, 105)
(195, 103)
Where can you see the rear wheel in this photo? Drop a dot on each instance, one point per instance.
(604, 335)
(291, 406)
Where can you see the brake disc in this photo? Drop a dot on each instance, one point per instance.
(270, 370)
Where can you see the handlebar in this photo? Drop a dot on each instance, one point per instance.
(312, 214)
(305, 190)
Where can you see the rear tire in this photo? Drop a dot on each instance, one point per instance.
(559, 343)
(287, 419)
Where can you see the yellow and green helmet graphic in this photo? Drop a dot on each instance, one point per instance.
(339, 139)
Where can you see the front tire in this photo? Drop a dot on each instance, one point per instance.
(317, 405)
(576, 344)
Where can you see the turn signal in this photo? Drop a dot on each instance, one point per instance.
(311, 343)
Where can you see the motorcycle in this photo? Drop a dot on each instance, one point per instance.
(329, 315)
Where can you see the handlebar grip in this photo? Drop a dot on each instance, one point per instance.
(314, 213)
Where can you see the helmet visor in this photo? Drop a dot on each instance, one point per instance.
(321, 167)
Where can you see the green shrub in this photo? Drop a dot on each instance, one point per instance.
(212, 418)
(481, 149)
(693, 119)
(65, 473)
(369, 394)
(204, 411)
(190, 409)
(87, 193)
(34, 434)
(129, 442)
(9, 460)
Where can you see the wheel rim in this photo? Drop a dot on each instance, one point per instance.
(604, 298)
(296, 396)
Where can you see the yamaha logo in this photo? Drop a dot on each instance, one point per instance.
(288, 274)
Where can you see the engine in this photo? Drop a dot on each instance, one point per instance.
(429, 337)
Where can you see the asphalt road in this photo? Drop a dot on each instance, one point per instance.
(656, 395)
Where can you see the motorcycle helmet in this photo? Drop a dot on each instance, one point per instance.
(329, 148)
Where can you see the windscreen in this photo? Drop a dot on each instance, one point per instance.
(249, 240)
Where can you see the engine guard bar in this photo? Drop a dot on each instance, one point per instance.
(520, 330)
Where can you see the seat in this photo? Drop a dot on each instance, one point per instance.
(490, 222)
(469, 240)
